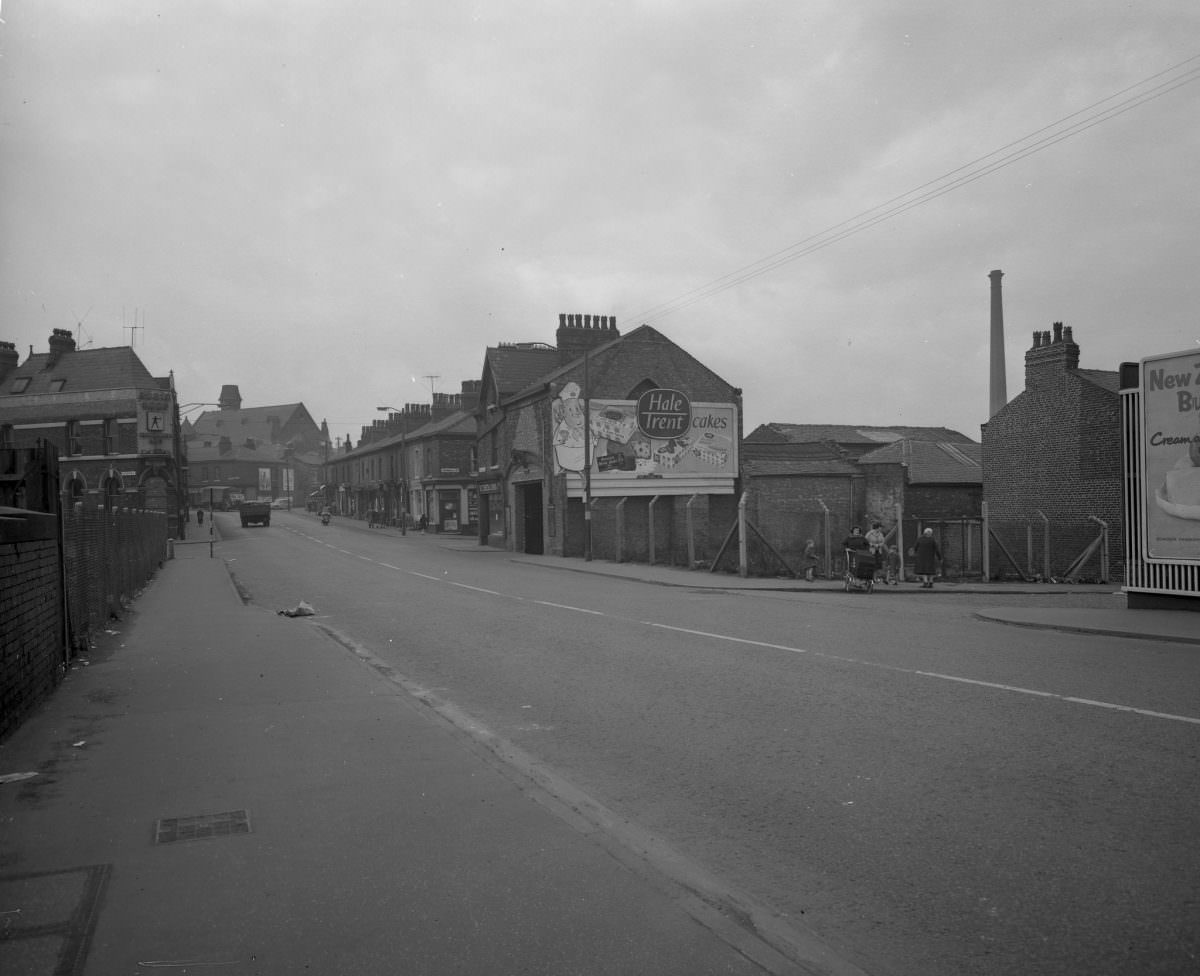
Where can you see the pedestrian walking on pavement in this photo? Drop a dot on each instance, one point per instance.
(810, 560)
(927, 555)
(199, 516)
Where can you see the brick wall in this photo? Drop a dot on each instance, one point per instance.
(786, 510)
(32, 647)
(642, 356)
(1056, 449)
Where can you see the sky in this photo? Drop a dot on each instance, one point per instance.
(344, 204)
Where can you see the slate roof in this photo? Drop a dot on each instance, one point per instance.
(932, 462)
(515, 367)
(248, 422)
(263, 451)
(83, 370)
(458, 422)
(785, 466)
(851, 434)
(1105, 378)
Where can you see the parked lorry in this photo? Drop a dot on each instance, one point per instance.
(255, 513)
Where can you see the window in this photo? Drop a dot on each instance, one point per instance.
(112, 489)
(108, 430)
(74, 438)
(56, 386)
(6, 436)
(20, 384)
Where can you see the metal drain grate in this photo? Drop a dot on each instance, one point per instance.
(170, 829)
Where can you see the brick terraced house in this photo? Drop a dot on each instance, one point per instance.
(630, 430)
(1052, 459)
(115, 426)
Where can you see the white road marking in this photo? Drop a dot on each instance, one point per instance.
(477, 589)
(728, 638)
(563, 606)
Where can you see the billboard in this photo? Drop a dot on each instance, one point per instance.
(660, 443)
(1170, 422)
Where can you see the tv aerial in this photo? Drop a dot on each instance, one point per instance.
(79, 327)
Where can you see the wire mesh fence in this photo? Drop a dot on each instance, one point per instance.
(109, 554)
(1073, 549)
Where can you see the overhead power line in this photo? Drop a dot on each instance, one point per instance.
(1125, 100)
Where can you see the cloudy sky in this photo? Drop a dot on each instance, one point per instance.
(330, 202)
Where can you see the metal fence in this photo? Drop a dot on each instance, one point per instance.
(1074, 549)
(109, 555)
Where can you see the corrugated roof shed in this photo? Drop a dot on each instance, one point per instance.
(851, 434)
(932, 462)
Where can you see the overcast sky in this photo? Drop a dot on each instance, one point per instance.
(321, 201)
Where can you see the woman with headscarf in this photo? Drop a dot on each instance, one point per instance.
(927, 555)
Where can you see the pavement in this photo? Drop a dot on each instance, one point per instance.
(218, 788)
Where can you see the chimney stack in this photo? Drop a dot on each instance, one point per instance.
(1052, 354)
(9, 359)
(997, 388)
(61, 341)
(579, 333)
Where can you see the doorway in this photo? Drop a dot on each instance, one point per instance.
(531, 519)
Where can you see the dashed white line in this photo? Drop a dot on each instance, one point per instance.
(563, 606)
(728, 638)
(477, 589)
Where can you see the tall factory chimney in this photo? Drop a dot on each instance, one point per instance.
(997, 392)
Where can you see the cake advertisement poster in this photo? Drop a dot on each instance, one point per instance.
(662, 435)
(1170, 411)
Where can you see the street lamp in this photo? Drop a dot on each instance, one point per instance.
(403, 467)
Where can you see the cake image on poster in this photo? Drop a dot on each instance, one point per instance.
(1179, 494)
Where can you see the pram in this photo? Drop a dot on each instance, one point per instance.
(860, 570)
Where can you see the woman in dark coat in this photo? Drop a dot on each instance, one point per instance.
(927, 556)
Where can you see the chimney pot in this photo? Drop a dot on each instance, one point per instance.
(562, 319)
(1058, 332)
(1068, 335)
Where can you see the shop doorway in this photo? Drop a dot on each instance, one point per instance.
(448, 510)
(531, 519)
